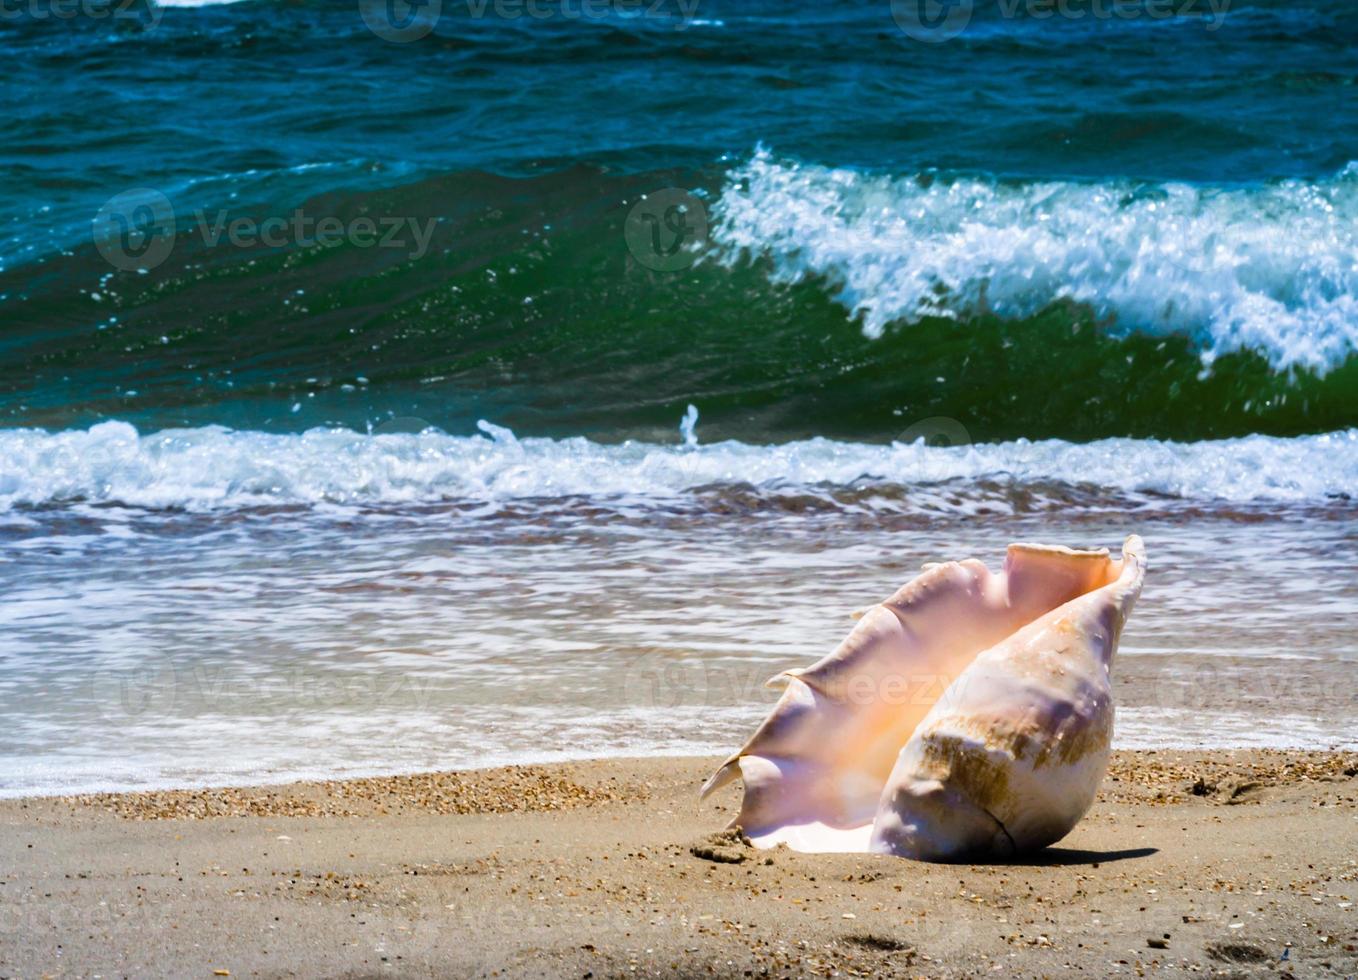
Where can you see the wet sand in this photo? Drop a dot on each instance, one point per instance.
(1207, 863)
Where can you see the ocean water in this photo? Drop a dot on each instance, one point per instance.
(389, 388)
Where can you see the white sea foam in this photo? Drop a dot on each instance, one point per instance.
(283, 748)
(1272, 269)
(213, 467)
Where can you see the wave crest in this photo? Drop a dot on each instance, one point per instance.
(1272, 269)
(211, 468)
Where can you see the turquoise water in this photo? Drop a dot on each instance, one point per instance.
(892, 229)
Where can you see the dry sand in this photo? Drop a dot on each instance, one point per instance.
(1217, 864)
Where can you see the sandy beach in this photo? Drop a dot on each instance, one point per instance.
(1211, 863)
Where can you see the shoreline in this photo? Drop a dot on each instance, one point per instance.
(296, 780)
(594, 868)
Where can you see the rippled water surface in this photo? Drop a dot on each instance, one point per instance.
(143, 648)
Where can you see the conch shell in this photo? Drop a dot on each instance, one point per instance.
(969, 715)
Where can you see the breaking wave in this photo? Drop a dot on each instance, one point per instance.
(1271, 269)
(212, 467)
